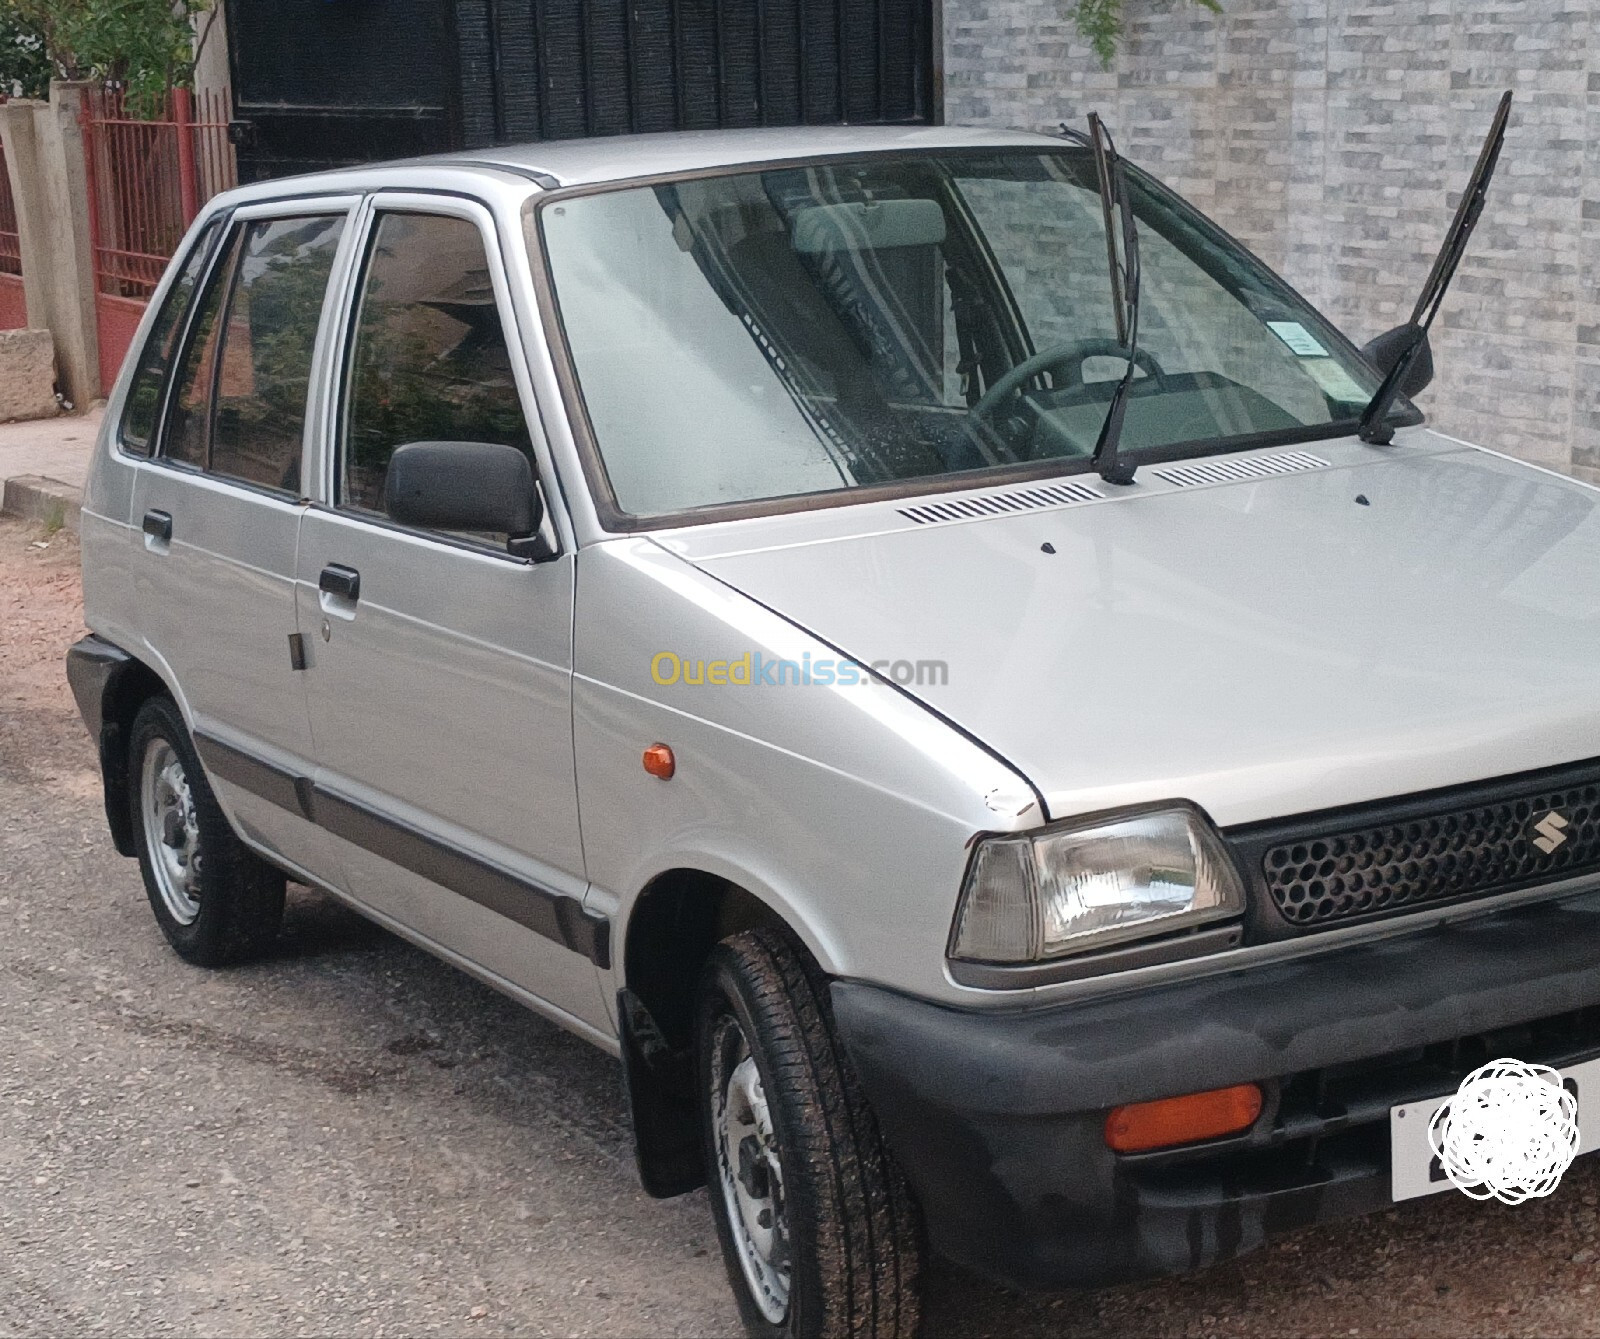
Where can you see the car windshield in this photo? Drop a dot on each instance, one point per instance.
(926, 318)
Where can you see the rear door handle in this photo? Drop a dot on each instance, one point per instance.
(337, 579)
(158, 525)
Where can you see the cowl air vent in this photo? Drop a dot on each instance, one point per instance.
(999, 504)
(1236, 471)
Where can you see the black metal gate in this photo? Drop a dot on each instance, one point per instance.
(554, 69)
(318, 82)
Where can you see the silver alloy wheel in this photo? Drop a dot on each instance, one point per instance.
(749, 1170)
(171, 830)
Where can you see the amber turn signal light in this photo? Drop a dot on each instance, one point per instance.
(658, 761)
(1183, 1120)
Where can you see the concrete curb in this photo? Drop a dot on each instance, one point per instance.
(35, 498)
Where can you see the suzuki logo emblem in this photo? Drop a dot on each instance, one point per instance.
(1552, 830)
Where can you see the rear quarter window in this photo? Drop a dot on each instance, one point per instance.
(155, 358)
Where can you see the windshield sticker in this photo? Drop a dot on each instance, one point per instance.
(1298, 338)
(1336, 383)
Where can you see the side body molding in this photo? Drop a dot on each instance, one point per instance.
(554, 915)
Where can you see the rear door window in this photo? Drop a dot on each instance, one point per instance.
(240, 405)
(265, 369)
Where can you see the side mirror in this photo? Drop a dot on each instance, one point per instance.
(1384, 352)
(471, 486)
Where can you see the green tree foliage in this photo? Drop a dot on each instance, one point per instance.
(1100, 23)
(147, 46)
(25, 67)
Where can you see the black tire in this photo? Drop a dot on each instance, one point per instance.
(854, 1237)
(238, 897)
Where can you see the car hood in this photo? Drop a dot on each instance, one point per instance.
(1380, 622)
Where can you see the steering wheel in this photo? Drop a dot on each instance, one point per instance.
(1069, 358)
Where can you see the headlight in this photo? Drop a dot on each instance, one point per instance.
(1071, 888)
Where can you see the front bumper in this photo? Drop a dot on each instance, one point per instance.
(998, 1118)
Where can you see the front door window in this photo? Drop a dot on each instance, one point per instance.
(430, 362)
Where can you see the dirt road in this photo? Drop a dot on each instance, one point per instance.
(354, 1139)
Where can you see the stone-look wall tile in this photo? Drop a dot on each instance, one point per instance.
(1306, 263)
(1519, 282)
(1514, 396)
(1586, 408)
(1255, 125)
(1171, 134)
(1170, 44)
(1250, 198)
(1586, 366)
(1333, 138)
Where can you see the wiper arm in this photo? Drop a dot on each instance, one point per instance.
(1373, 427)
(1117, 207)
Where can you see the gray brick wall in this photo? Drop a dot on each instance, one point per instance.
(1333, 138)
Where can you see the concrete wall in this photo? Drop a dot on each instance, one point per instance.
(211, 74)
(45, 155)
(1333, 138)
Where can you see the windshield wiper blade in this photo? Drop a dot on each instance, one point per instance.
(1374, 427)
(1117, 207)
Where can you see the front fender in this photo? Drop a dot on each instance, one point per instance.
(849, 811)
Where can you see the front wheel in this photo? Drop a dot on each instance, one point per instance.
(818, 1228)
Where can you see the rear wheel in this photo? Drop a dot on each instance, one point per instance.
(216, 901)
(818, 1228)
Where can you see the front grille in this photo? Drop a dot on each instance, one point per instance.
(1456, 852)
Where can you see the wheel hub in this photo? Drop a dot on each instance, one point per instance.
(750, 1172)
(171, 830)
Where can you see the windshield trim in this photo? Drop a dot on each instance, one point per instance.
(614, 520)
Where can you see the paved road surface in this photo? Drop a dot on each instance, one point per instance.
(355, 1139)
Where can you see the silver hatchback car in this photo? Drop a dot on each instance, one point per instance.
(998, 714)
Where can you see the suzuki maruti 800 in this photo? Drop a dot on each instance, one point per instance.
(1009, 725)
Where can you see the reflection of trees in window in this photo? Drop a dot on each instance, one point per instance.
(189, 420)
(144, 396)
(266, 361)
(430, 360)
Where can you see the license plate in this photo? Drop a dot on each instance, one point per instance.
(1415, 1170)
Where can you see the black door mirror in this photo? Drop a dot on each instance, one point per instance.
(473, 486)
(1384, 352)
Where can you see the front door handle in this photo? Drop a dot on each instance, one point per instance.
(158, 525)
(337, 579)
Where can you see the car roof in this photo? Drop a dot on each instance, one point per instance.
(621, 157)
(579, 162)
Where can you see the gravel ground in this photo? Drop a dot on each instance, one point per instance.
(355, 1139)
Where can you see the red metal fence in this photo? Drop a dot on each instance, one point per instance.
(147, 180)
(13, 310)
